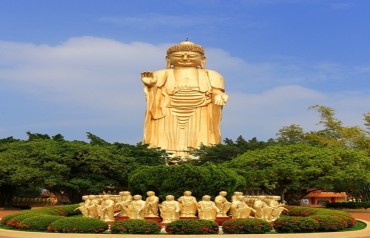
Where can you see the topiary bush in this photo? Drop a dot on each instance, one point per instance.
(302, 211)
(246, 226)
(349, 219)
(39, 223)
(15, 221)
(295, 225)
(78, 225)
(330, 223)
(135, 227)
(192, 227)
(6, 218)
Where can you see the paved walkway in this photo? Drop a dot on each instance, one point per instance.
(362, 215)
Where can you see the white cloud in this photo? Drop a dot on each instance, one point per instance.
(93, 84)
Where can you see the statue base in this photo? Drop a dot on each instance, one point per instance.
(188, 218)
(221, 220)
(118, 218)
(156, 219)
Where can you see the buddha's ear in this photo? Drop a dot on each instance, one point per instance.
(203, 62)
(168, 61)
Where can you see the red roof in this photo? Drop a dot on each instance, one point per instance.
(323, 194)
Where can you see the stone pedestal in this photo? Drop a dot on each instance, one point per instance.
(118, 218)
(156, 219)
(220, 220)
(188, 218)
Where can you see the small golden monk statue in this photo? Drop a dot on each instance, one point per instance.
(93, 206)
(151, 207)
(207, 209)
(184, 102)
(83, 206)
(239, 209)
(170, 209)
(222, 204)
(107, 208)
(124, 200)
(136, 208)
(188, 205)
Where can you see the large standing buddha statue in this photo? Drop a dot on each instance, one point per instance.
(183, 102)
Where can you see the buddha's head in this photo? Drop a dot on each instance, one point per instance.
(187, 193)
(185, 54)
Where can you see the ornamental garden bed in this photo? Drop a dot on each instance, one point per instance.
(66, 219)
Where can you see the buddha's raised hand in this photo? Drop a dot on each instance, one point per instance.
(147, 77)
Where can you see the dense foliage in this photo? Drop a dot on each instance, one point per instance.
(135, 227)
(78, 225)
(348, 205)
(74, 167)
(296, 225)
(192, 227)
(289, 170)
(208, 179)
(246, 226)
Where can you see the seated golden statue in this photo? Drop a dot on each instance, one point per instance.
(151, 207)
(170, 209)
(222, 204)
(188, 205)
(207, 209)
(184, 102)
(136, 208)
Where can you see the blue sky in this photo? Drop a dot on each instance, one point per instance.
(72, 67)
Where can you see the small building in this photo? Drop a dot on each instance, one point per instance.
(322, 197)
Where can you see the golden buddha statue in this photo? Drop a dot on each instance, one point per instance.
(207, 209)
(184, 102)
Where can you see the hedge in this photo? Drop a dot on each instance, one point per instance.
(246, 226)
(78, 225)
(192, 227)
(135, 227)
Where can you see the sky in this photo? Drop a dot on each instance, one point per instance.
(72, 67)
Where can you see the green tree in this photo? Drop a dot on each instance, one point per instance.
(289, 170)
(75, 167)
(201, 180)
(227, 151)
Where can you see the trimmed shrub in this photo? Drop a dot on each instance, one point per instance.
(6, 218)
(39, 223)
(330, 222)
(295, 225)
(192, 227)
(349, 219)
(246, 226)
(135, 227)
(15, 221)
(302, 211)
(78, 225)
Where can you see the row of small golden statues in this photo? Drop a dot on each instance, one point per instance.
(124, 205)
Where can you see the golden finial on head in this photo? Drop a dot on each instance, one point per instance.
(185, 46)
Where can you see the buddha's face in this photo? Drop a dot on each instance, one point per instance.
(185, 59)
